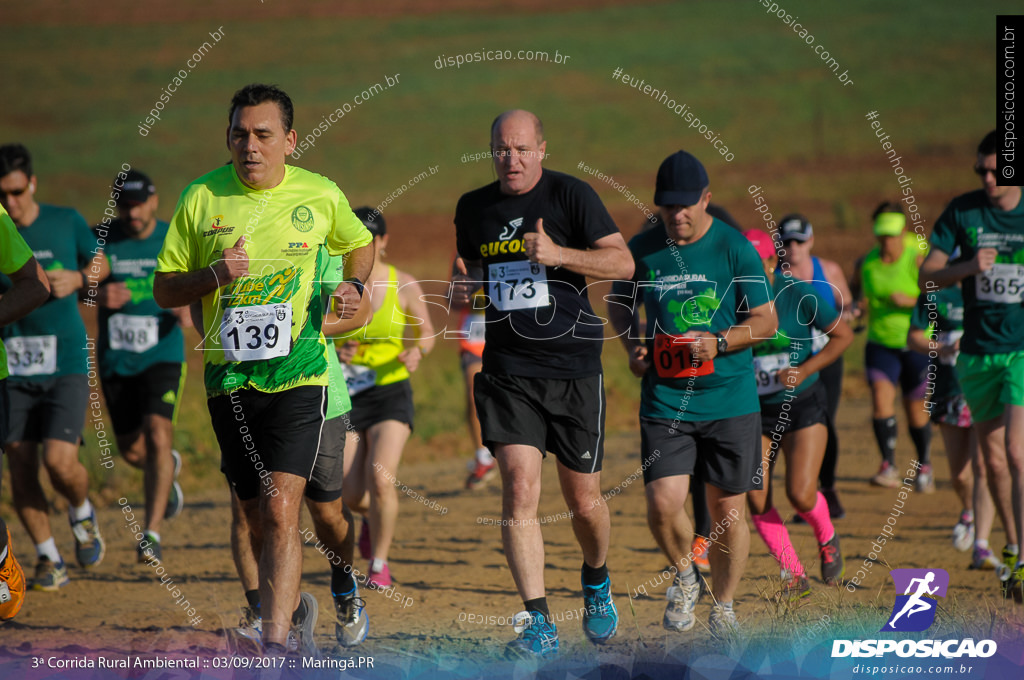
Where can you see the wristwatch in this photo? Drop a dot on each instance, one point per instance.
(723, 344)
(358, 284)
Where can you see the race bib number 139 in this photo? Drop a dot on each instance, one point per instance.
(256, 332)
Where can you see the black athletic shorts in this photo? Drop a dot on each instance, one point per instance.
(155, 391)
(260, 433)
(380, 403)
(727, 451)
(562, 415)
(50, 408)
(3, 426)
(328, 471)
(810, 407)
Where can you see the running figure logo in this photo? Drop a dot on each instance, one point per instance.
(914, 610)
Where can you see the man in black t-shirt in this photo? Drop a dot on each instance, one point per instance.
(538, 234)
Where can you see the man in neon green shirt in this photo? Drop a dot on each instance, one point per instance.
(246, 239)
(30, 290)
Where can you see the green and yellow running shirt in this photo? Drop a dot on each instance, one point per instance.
(338, 402)
(14, 253)
(263, 330)
(140, 333)
(50, 341)
(703, 286)
(803, 314)
(889, 323)
(993, 300)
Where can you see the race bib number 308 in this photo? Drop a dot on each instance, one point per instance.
(133, 333)
(1002, 283)
(518, 285)
(256, 332)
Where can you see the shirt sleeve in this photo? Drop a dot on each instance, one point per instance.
(589, 211)
(749, 276)
(463, 240)
(14, 252)
(944, 235)
(85, 240)
(919, 317)
(347, 233)
(177, 254)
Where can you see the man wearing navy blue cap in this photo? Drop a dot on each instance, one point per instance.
(699, 405)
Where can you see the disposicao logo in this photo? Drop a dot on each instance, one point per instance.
(914, 611)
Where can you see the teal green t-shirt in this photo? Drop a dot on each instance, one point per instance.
(941, 313)
(50, 341)
(803, 313)
(140, 333)
(993, 300)
(332, 272)
(701, 287)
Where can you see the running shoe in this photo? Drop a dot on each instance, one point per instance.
(12, 581)
(89, 545)
(699, 548)
(249, 631)
(600, 617)
(353, 623)
(984, 559)
(925, 482)
(1014, 585)
(365, 549)
(538, 637)
(1005, 569)
(152, 545)
(963, 533)
(380, 578)
(794, 587)
(176, 499)
(887, 476)
(832, 564)
(50, 576)
(722, 622)
(835, 508)
(682, 601)
(480, 473)
(302, 638)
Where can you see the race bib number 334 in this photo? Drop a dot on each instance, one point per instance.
(256, 332)
(32, 355)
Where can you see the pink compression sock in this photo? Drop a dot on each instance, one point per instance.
(775, 536)
(819, 520)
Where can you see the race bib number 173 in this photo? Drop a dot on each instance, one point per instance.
(518, 285)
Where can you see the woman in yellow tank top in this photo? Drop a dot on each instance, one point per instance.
(377, 360)
(886, 283)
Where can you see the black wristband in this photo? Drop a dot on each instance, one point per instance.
(358, 284)
(723, 343)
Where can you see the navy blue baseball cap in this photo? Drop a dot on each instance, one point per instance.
(681, 180)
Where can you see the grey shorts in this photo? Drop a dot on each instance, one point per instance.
(49, 408)
(324, 483)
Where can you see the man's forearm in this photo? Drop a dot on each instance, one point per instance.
(180, 289)
(599, 263)
(945, 277)
(359, 262)
(22, 298)
(754, 329)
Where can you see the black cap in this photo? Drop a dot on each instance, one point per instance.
(681, 180)
(372, 220)
(795, 227)
(137, 187)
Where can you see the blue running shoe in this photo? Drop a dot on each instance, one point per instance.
(353, 623)
(600, 617)
(89, 545)
(537, 637)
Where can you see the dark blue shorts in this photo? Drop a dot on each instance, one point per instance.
(902, 367)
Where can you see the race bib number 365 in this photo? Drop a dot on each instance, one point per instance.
(518, 285)
(256, 332)
(1002, 283)
(32, 355)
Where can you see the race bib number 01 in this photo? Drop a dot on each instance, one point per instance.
(32, 355)
(133, 333)
(1002, 283)
(672, 358)
(358, 378)
(518, 285)
(257, 332)
(766, 370)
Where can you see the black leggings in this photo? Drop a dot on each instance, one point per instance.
(832, 380)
